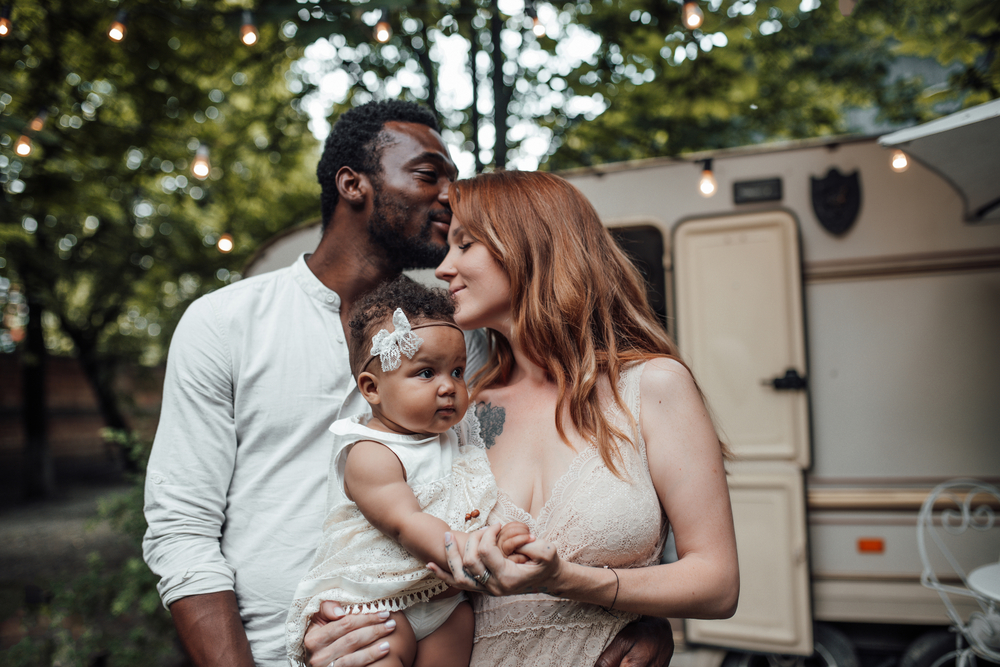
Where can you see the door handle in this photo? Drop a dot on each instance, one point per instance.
(790, 381)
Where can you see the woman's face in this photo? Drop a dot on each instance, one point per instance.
(478, 284)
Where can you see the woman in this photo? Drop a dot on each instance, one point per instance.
(595, 431)
(597, 434)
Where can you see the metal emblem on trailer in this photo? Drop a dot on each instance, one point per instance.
(836, 200)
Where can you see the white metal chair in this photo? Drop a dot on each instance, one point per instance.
(965, 504)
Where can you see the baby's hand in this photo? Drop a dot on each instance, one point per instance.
(512, 537)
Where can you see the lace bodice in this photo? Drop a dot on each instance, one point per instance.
(593, 518)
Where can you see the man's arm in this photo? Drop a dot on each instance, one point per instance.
(648, 642)
(211, 630)
(189, 473)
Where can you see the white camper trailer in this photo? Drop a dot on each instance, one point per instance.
(843, 320)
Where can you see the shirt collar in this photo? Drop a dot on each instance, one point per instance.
(312, 286)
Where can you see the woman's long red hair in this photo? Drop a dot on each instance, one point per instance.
(578, 305)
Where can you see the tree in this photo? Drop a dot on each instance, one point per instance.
(765, 71)
(623, 79)
(103, 226)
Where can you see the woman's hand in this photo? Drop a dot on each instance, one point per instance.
(350, 640)
(482, 554)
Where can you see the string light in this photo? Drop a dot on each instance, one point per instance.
(536, 26)
(248, 32)
(201, 167)
(23, 146)
(707, 185)
(225, 243)
(38, 122)
(5, 24)
(691, 14)
(899, 161)
(116, 31)
(383, 31)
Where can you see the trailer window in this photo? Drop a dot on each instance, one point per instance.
(644, 246)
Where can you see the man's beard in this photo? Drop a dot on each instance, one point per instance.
(386, 230)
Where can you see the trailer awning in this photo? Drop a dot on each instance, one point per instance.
(964, 148)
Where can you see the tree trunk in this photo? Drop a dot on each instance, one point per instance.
(100, 373)
(473, 53)
(501, 94)
(424, 58)
(39, 478)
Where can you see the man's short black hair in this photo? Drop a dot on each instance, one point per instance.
(374, 311)
(356, 141)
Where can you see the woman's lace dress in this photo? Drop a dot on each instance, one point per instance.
(593, 518)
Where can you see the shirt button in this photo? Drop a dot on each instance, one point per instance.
(329, 298)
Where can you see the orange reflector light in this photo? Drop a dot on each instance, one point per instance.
(871, 545)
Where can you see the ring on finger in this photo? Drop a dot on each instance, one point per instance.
(483, 578)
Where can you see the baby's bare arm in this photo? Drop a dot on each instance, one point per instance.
(375, 479)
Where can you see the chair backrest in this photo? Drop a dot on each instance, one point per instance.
(962, 505)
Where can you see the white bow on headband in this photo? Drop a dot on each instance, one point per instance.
(388, 346)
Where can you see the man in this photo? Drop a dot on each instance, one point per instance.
(236, 484)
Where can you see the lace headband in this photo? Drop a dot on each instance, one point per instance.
(389, 347)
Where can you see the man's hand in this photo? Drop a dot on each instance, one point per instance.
(648, 642)
(512, 537)
(211, 630)
(350, 640)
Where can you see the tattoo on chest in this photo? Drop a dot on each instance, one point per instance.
(491, 422)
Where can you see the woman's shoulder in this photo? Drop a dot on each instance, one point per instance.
(666, 378)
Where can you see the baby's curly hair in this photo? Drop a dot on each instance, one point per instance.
(374, 311)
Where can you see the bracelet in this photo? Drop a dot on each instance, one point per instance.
(617, 585)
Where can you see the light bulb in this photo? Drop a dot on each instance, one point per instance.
(248, 31)
(4, 26)
(537, 27)
(383, 31)
(116, 32)
(23, 146)
(200, 167)
(225, 243)
(899, 161)
(38, 122)
(691, 14)
(707, 185)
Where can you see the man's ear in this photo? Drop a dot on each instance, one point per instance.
(352, 186)
(368, 386)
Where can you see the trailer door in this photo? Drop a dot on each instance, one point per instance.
(740, 326)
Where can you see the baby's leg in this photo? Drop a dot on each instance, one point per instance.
(402, 644)
(451, 644)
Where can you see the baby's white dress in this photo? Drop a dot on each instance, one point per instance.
(358, 566)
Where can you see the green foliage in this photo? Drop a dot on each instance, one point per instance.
(104, 224)
(780, 72)
(108, 614)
